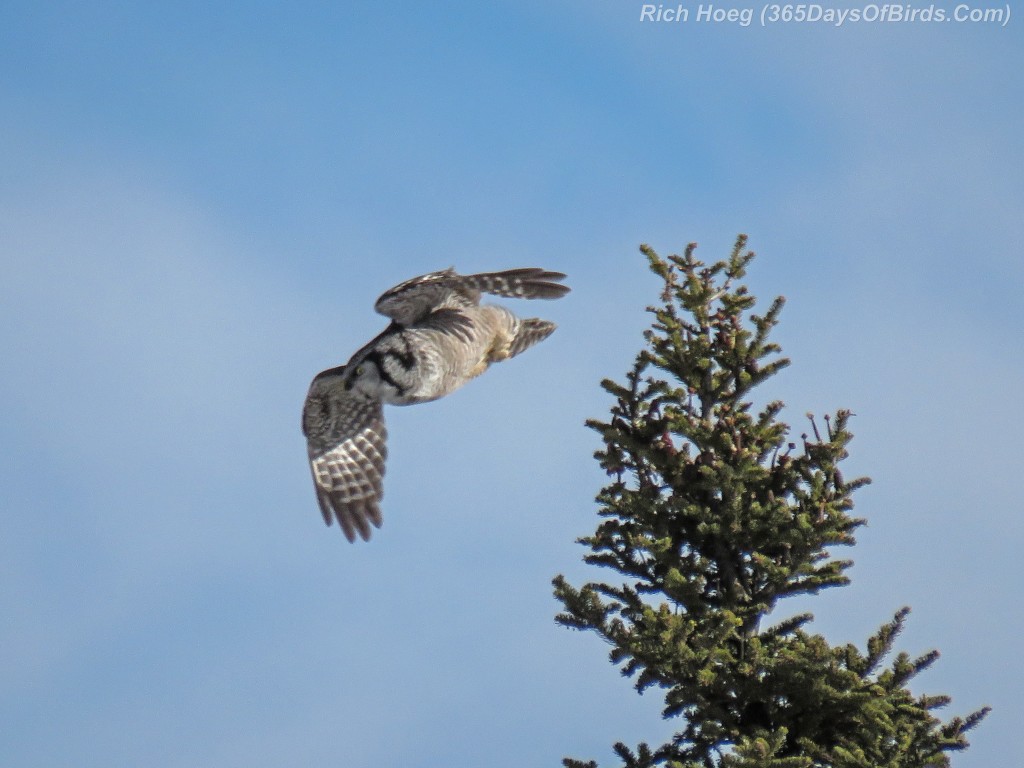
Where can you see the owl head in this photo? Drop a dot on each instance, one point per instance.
(364, 377)
(379, 374)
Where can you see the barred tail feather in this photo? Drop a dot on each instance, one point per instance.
(531, 330)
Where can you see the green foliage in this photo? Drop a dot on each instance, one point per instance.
(713, 514)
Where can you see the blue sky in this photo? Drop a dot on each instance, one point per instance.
(198, 206)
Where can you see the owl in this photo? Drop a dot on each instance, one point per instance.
(439, 338)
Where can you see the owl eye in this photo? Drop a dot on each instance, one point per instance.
(359, 370)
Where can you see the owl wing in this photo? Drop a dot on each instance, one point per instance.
(346, 441)
(413, 300)
(526, 283)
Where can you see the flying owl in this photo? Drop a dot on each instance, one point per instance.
(439, 338)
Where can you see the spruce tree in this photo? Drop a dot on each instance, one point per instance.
(712, 515)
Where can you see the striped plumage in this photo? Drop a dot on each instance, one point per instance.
(439, 338)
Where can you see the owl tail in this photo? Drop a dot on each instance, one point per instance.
(530, 331)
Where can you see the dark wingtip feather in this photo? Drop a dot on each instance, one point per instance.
(543, 283)
(325, 505)
(354, 518)
(346, 526)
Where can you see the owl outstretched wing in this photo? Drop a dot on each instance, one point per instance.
(526, 283)
(346, 439)
(413, 300)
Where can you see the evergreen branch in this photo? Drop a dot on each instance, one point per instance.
(786, 626)
(881, 643)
